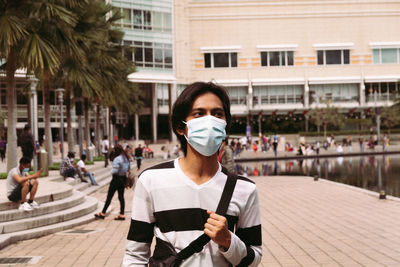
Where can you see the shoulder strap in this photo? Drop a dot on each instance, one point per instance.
(198, 244)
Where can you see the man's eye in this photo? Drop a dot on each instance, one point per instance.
(197, 114)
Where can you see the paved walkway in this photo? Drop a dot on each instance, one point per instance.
(304, 223)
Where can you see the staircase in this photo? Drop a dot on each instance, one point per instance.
(62, 206)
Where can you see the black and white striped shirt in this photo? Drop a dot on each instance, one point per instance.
(169, 205)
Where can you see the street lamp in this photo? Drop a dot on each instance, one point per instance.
(60, 92)
(34, 117)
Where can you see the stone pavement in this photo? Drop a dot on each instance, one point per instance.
(304, 223)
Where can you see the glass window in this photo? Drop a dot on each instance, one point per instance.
(389, 55)
(290, 60)
(137, 19)
(233, 59)
(207, 60)
(274, 58)
(157, 21)
(377, 56)
(138, 54)
(320, 57)
(147, 20)
(333, 56)
(264, 58)
(346, 56)
(221, 60)
(148, 54)
(282, 56)
(167, 22)
(158, 55)
(168, 56)
(126, 18)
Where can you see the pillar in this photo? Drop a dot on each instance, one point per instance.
(306, 95)
(172, 94)
(361, 92)
(154, 111)
(136, 121)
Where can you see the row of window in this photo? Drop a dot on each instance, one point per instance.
(145, 20)
(286, 58)
(150, 55)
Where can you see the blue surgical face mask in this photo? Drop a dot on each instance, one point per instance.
(205, 134)
(25, 170)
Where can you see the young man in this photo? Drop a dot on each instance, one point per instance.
(67, 168)
(139, 156)
(176, 200)
(20, 183)
(81, 165)
(104, 150)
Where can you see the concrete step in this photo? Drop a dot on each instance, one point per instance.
(7, 239)
(88, 206)
(48, 192)
(99, 175)
(50, 207)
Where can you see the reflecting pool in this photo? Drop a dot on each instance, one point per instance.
(376, 173)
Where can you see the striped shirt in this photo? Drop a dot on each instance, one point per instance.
(169, 205)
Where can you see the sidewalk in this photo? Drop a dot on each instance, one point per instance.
(304, 223)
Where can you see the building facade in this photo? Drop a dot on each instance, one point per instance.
(276, 58)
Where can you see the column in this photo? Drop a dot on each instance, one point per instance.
(154, 111)
(172, 94)
(361, 92)
(136, 120)
(306, 95)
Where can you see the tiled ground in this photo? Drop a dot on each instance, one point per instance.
(305, 223)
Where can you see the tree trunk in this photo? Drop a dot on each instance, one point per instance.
(325, 126)
(12, 157)
(87, 126)
(47, 117)
(70, 134)
(97, 134)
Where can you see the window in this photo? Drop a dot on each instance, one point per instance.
(220, 60)
(333, 57)
(162, 94)
(334, 92)
(152, 55)
(384, 91)
(278, 94)
(386, 55)
(237, 95)
(277, 58)
(146, 20)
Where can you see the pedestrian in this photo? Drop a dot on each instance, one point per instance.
(175, 201)
(85, 173)
(20, 184)
(339, 148)
(361, 142)
(139, 156)
(317, 147)
(255, 148)
(120, 166)
(105, 146)
(67, 166)
(226, 156)
(25, 141)
(275, 144)
(350, 144)
(384, 142)
(3, 147)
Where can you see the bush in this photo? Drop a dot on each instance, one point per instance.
(88, 162)
(98, 158)
(3, 175)
(55, 166)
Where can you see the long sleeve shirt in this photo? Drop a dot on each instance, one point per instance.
(169, 205)
(120, 165)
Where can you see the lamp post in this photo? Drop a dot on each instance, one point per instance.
(34, 119)
(60, 92)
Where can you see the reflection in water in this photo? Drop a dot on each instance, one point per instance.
(370, 172)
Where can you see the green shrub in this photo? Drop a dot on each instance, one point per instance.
(3, 175)
(88, 162)
(55, 166)
(98, 158)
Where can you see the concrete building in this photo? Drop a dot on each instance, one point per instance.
(276, 58)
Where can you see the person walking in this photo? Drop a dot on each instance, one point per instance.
(105, 146)
(175, 201)
(120, 166)
(139, 156)
(25, 141)
(3, 147)
(275, 139)
(226, 156)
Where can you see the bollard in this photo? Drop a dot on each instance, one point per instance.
(43, 161)
(382, 194)
(90, 154)
(315, 177)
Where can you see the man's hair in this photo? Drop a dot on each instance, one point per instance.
(83, 157)
(71, 154)
(105, 137)
(27, 127)
(24, 161)
(183, 105)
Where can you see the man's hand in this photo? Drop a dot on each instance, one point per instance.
(37, 174)
(216, 228)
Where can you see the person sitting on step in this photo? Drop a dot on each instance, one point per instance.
(67, 168)
(84, 171)
(20, 183)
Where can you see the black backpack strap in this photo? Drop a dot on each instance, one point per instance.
(198, 244)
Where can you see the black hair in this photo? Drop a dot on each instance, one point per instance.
(184, 103)
(118, 150)
(83, 157)
(106, 137)
(27, 127)
(24, 161)
(71, 154)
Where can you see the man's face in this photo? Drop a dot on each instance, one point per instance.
(207, 104)
(26, 166)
